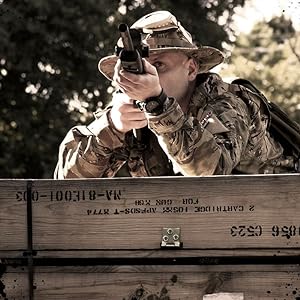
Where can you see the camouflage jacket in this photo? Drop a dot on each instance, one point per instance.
(223, 132)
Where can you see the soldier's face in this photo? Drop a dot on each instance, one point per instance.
(176, 72)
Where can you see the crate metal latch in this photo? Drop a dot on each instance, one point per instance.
(171, 238)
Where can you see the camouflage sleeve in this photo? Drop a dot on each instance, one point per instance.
(206, 144)
(88, 151)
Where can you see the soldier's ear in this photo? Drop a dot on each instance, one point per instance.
(193, 69)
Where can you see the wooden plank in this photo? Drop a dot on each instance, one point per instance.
(13, 283)
(177, 282)
(13, 215)
(219, 212)
(159, 282)
(212, 212)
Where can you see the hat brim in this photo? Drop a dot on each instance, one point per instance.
(207, 57)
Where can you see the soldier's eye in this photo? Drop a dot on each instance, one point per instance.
(158, 65)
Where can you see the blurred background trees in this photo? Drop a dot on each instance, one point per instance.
(269, 56)
(49, 80)
(49, 53)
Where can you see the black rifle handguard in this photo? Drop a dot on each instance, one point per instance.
(131, 60)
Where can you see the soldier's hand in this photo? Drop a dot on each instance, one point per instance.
(138, 86)
(124, 115)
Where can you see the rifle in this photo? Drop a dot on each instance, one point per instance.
(131, 60)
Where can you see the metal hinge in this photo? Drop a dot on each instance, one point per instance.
(171, 238)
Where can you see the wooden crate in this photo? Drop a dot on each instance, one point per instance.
(150, 238)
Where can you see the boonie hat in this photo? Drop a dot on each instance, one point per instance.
(162, 32)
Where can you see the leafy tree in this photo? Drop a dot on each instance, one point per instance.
(48, 67)
(268, 57)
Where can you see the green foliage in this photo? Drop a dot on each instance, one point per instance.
(49, 80)
(267, 57)
(198, 17)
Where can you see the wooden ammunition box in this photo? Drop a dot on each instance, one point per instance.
(150, 238)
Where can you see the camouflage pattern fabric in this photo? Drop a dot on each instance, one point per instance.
(223, 132)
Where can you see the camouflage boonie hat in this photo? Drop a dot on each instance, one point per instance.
(162, 32)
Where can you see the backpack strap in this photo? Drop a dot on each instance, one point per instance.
(281, 125)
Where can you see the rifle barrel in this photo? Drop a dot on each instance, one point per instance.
(126, 38)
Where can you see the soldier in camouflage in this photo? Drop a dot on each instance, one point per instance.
(200, 125)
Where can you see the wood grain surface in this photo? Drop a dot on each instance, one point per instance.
(101, 238)
(112, 214)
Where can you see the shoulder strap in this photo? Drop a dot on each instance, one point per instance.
(281, 125)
